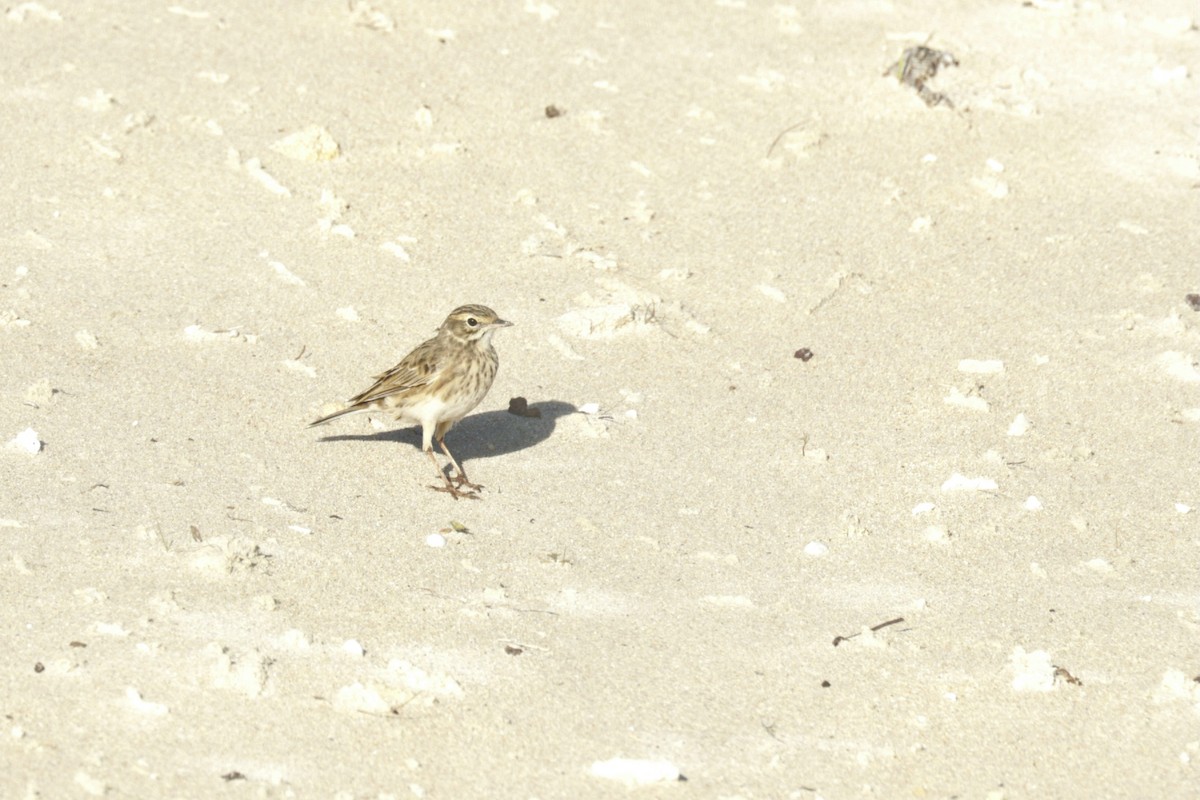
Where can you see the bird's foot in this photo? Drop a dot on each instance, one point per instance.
(462, 481)
(456, 492)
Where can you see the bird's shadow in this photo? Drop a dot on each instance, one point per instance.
(492, 433)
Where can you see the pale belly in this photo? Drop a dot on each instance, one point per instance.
(432, 410)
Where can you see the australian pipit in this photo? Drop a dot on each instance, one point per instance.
(437, 384)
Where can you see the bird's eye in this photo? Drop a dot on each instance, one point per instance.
(472, 322)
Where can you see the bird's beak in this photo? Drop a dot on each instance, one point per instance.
(501, 323)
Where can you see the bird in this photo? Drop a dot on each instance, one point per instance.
(437, 384)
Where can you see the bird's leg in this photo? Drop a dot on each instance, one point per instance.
(461, 480)
(449, 488)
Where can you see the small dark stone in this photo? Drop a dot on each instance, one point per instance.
(1193, 300)
(553, 111)
(804, 354)
(520, 406)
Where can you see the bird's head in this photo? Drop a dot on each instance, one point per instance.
(473, 323)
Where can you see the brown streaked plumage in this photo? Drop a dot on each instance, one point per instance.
(437, 384)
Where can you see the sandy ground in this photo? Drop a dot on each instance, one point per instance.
(222, 218)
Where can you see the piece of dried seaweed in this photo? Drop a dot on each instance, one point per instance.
(917, 66)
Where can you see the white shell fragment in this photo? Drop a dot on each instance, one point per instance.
(959, 482)
(423, 116)
(312, 144)
(435, 540)
(26, 441)
(23, 11)
(285, 274)
(990, 182)
(816, 549)
(1019, 426)
(295, 640)
(102, 149)
(255, 170)
(98, 101)
(1180, 366)
(635, 772)
(1177, 685)
(1032, 672)
(937, 534)
(969, 402)
(920, 225)
(771, 292)
(92, 786)
(396, 249)
(359, 699)
(134, 698)
(10, 319)
(1175, 74)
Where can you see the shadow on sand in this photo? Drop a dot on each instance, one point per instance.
(492, 433)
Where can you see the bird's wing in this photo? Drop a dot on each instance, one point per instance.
(419, 368)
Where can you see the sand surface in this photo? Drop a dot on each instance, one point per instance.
(222, 218)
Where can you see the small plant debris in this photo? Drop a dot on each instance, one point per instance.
(1061, 672)
(917, 67)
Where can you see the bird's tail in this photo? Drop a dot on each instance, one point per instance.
(330, 417)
